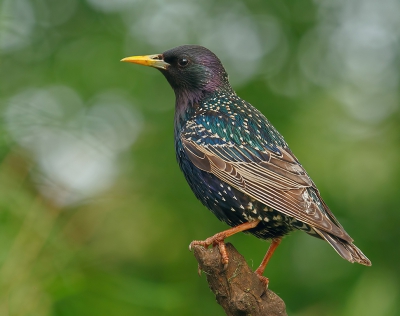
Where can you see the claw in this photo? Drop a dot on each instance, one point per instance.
(224, 253)
(202, 243)
(215, 241)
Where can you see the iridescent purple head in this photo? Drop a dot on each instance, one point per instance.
(194, 68)
(191, 70)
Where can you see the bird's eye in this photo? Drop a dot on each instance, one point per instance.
(183, 62)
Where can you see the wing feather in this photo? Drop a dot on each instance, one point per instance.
(278, 181)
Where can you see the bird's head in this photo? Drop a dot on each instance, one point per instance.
(191, 70)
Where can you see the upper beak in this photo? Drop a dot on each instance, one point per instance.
(155, 61)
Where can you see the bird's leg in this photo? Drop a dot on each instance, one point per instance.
(218, 239)
(260, 270)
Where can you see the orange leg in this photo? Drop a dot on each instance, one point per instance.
(260, 270)
(218, 239)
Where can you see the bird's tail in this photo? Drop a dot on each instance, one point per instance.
(345, 249)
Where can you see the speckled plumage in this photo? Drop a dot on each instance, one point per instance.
(220, 123)
(236, 162)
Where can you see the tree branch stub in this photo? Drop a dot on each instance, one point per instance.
(237, 289)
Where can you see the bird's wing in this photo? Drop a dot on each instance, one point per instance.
(273, 177)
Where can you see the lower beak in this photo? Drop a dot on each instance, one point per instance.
(155, 61)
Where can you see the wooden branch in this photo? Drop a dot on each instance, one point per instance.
(237, 289)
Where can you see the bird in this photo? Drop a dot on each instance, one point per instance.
(237, 164)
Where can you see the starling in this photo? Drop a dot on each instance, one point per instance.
(237, 163)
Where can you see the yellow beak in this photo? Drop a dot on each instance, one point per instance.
(155, 61)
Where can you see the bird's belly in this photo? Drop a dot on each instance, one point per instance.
(233, 206)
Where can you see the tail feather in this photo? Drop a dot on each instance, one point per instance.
(345, 249)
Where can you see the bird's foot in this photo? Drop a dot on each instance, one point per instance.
(260, 270)
(216, 240)
(264, 280)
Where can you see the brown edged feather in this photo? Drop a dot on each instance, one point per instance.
(279, 182)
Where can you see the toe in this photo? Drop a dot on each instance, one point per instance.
(264, 280)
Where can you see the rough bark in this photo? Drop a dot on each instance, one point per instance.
(237, 289)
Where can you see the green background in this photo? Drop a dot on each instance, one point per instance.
(95, 216)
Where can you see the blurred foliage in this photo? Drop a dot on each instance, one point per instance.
(95, 215)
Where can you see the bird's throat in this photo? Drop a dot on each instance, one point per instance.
(185, 106)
